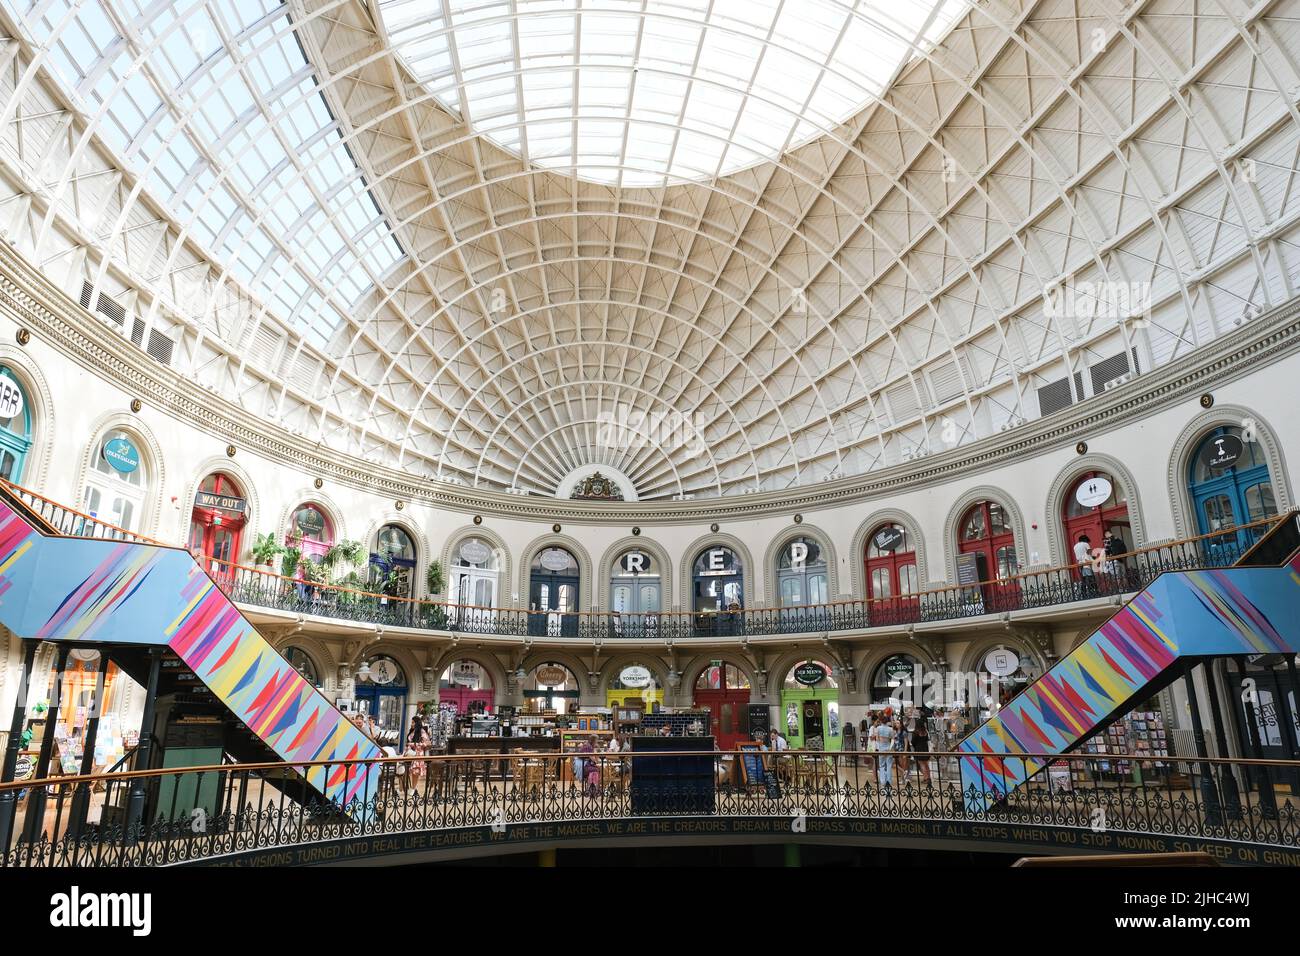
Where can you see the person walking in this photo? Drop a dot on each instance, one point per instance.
(884, 735)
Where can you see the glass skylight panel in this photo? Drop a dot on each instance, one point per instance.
(179, 104)
(745, 77)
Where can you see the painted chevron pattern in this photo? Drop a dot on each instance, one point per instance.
(1185, 614)
(90, 590)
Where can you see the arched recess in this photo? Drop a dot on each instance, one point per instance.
(858, 557)
(781, 667)
(877, 654)
(1180, 460)
(577, 666)
(498, 544)
(312, 496)
(154, 494)
(805, 530)
(973, 658)
(754, 598)
(485, 660)
(604, 570)
(240, 475)
(696, 666)
(41, 399)
(609, 669)
(418, 538)
(404, 654)
(1061, 485)
(318, 651)
(575, 548)
(958, 510)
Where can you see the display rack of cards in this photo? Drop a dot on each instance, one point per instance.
(1140, 734)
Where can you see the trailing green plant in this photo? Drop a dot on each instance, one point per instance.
(340, 553)
(290, 558)
(313, 572)
(434, 578)
(266, 549)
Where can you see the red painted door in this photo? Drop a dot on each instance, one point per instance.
(730, 714)
(462, 697)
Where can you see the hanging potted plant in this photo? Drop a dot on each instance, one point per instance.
(342, 553)
(290, 558)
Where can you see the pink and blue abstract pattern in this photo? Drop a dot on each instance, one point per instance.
(1181, 615)
(83, 589)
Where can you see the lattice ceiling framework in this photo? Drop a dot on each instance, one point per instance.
(340, 250)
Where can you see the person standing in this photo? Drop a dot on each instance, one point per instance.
(1083, 558)
(921, 747)
(884, 738)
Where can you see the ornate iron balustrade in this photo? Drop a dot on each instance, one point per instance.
(206, 814)
(1051, 587)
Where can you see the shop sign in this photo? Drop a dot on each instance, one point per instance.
(1001, 662)
(898, 669)
(227, 503)
(810, 673)
(121, 455)
(384, 670)
(1222, 452)
(309, 521)
(635, 562)
(634, 676)
(475, 552)
(11, 398)
(888, 539)
(553, 559)
(23, 769)
(466, 673)
(551, 676)
(1093, 492)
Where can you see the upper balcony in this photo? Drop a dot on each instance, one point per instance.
(1052, 592)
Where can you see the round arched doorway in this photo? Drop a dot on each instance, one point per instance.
(810, 706)
(553, 594)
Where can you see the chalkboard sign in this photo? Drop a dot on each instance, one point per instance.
(751, 762)
(760, 719)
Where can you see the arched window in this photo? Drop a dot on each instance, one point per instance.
(723, 689)
(217, 522)
(891, 575)
(801, 573)
(722, 676)
(635, 592)
(310, 531)
(985, 531)
(553, 594)
(1094, 505)
(719, 592)
(118, 481)
(1230, 486)
(475, 566)
(15, 426)
(392, 562)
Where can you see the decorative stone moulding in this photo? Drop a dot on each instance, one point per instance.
(36, 303)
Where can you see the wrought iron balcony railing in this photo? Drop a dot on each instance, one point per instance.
(1050, 587)
(1083, 802)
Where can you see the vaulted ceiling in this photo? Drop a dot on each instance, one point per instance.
(712, 247)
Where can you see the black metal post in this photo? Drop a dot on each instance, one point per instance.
(1213, 811)
(1289, 719)
(35, 818)
(1227, 781)
(9, 798)
(135, 803)
(1267, 803)
(81, 798)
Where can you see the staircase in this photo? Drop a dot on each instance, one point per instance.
(132, 594)
(1180, 617)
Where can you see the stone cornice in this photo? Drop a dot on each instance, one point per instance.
(48, 312)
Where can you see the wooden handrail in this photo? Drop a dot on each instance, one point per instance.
(78, 779)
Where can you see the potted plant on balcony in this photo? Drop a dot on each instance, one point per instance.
(434, 579)
(265, 549)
